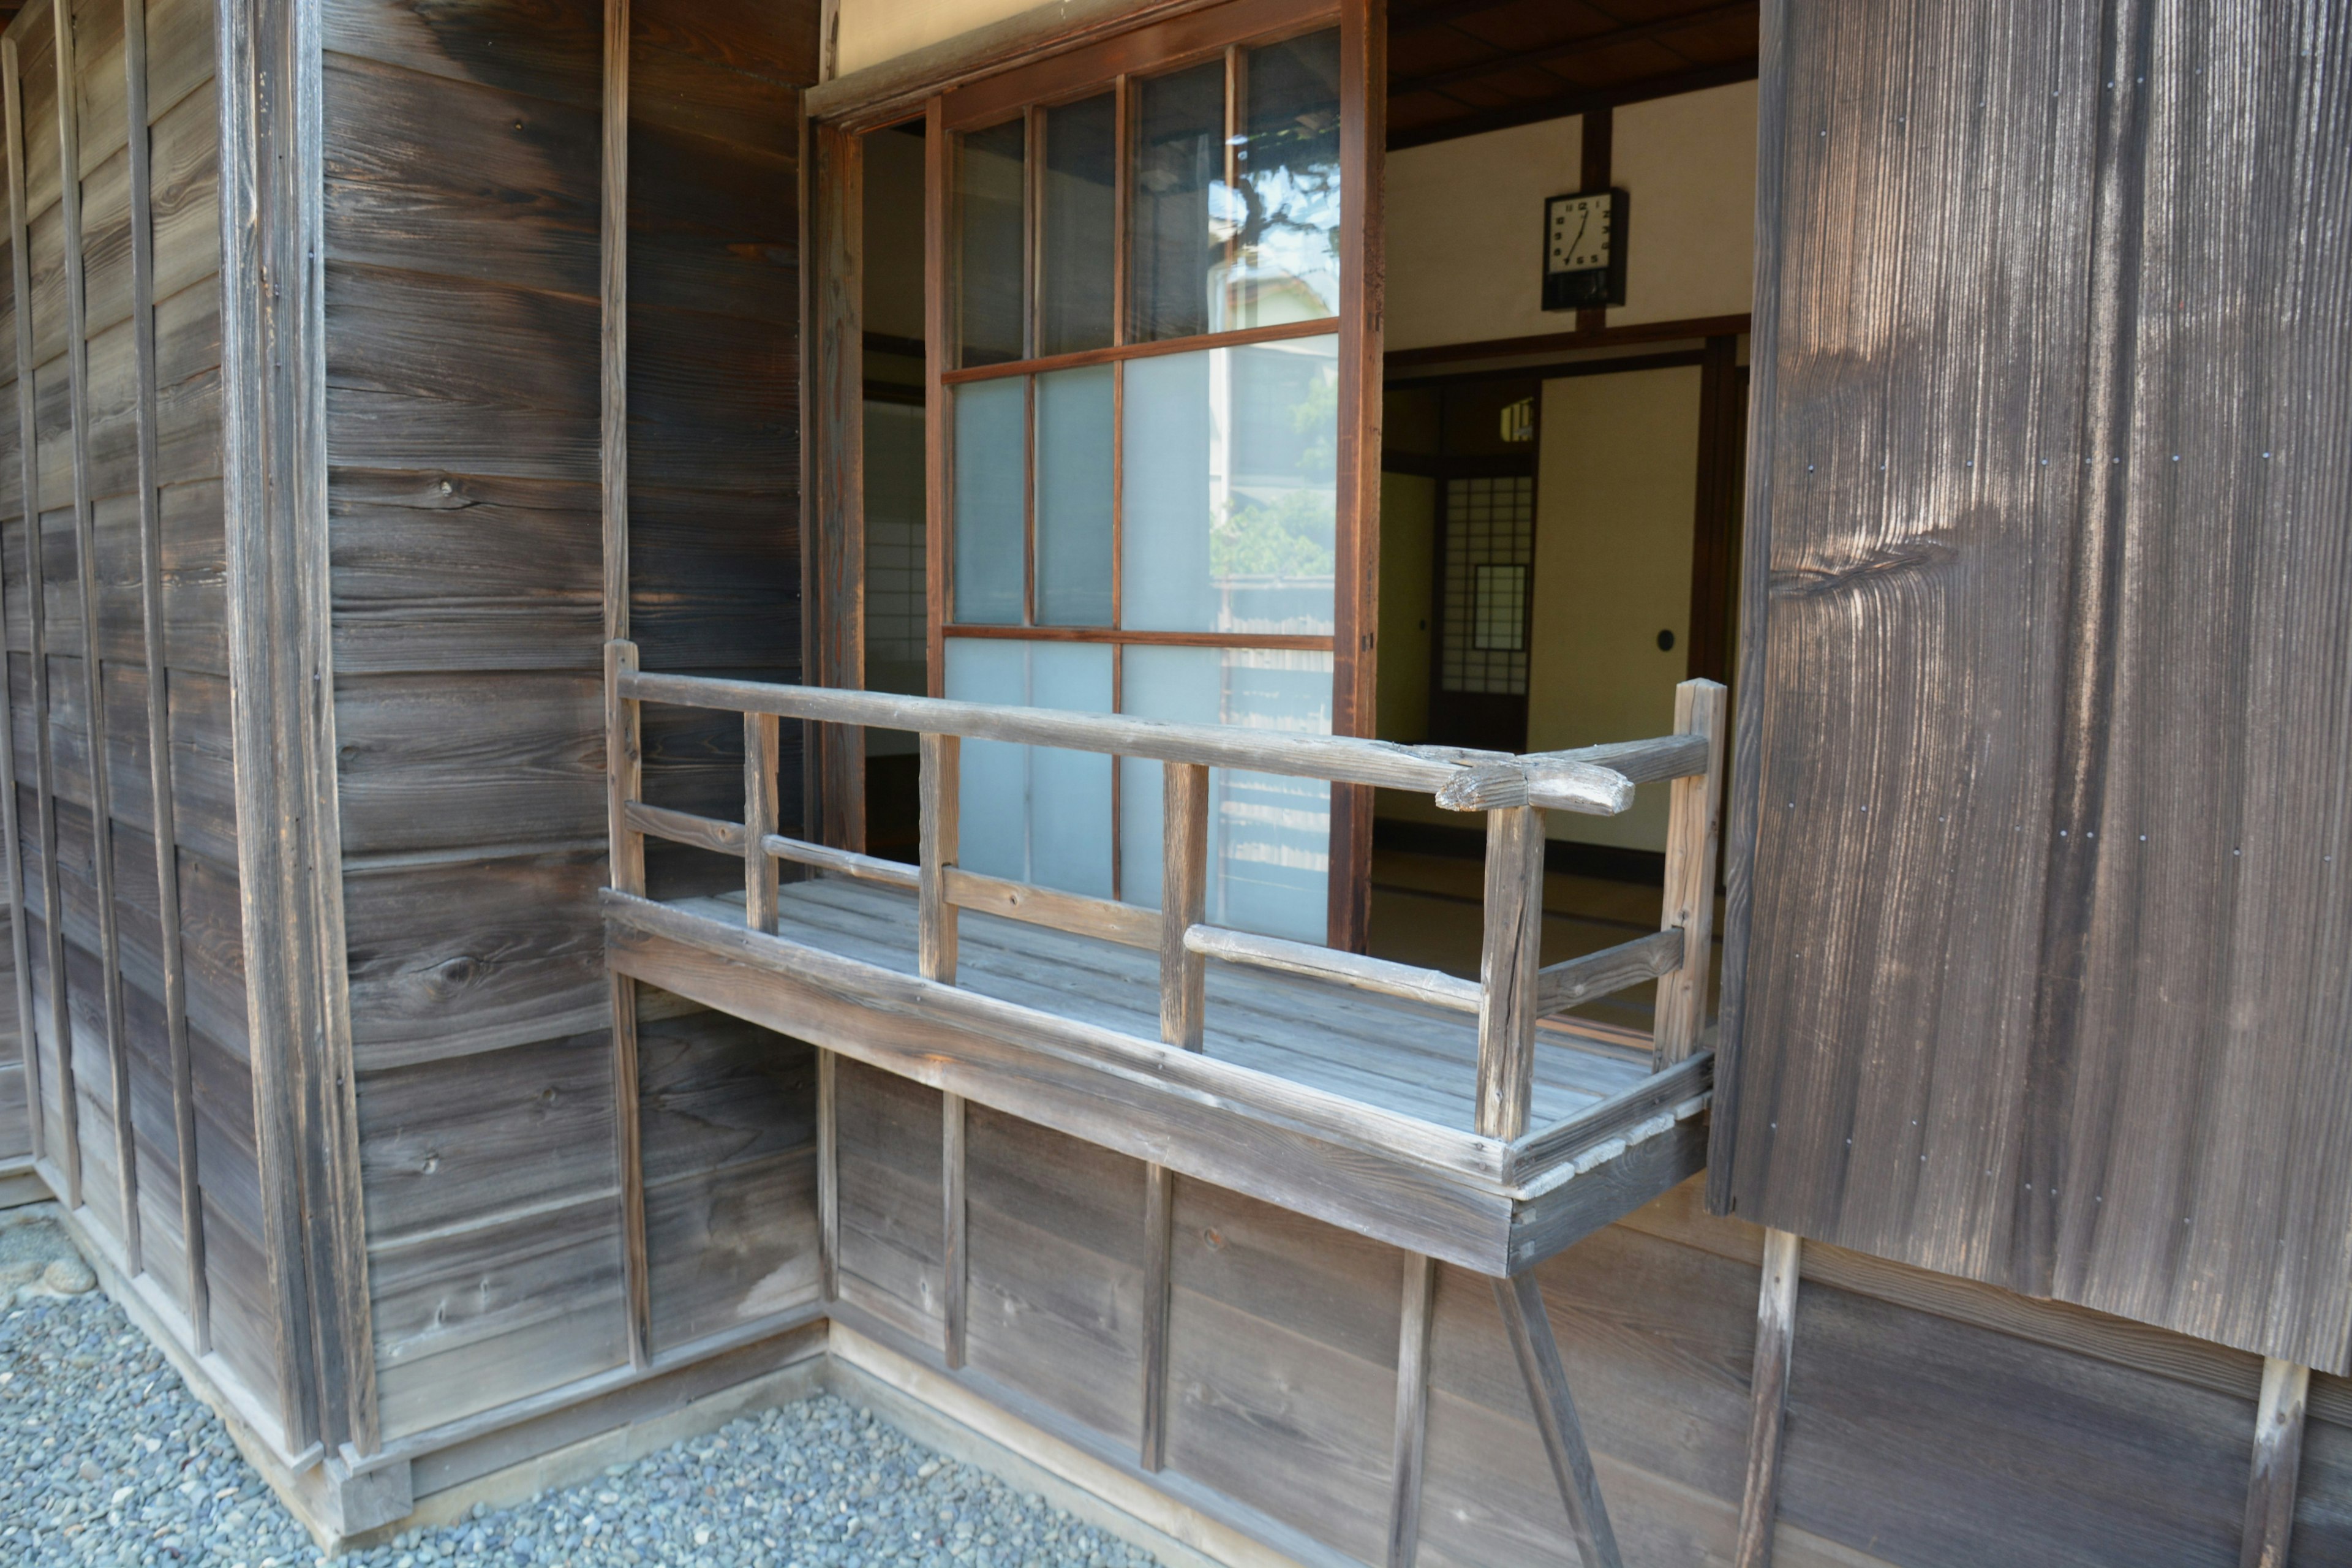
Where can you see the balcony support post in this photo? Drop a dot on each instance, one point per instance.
(761, 754)
(1183, 899)
(1694, 810)
(1507, 970)
(942, 793)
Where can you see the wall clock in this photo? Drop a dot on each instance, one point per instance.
(1585, 251)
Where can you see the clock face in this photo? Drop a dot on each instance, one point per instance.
(1579, 233)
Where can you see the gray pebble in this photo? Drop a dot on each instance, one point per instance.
(105, 1458)
(69, 1277)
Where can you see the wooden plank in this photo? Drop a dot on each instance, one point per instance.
(1339, 758)
(1377, 976)
(955, 1247)
(1776, 1332)
(1377, 1191)
(683, 828)
(1513, 781)
(624, 768)
(865, 868)
(2278, 1462)
(1510, 956)
(273, 431)
(828, 1176)
(1529, 1326)
(760, 764)
(12, 854)
(1413, 1410)
(1692, 823)
(636, 1270)
(159, 722)
(1560, 987)
(731, 1248)
(836, 422)
(613, 327)
(1076, 913)
(1158, 1240)
(941, 786)
(1183, 901)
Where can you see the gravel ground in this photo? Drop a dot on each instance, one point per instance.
(106, 1459)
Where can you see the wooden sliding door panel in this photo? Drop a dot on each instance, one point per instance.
(2046, 729)
(1914, 482)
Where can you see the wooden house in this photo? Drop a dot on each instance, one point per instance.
(705, 694)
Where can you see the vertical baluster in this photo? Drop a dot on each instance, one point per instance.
(759, 757)
(624, 768)
(1183, 899)
(1507, 969)
(936, 943)
(1691, 837)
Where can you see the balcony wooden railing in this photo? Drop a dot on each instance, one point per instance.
(1514, 991)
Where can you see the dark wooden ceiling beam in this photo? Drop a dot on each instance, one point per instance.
(1633, 33)
(1580, 102)
(1445, 13)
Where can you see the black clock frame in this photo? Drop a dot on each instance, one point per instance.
(1590, 287)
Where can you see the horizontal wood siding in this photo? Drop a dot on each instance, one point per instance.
(461, 211)
(463, 208)
(124, 271)
(2039, 971)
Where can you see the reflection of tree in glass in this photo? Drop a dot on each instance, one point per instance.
(1287, 533)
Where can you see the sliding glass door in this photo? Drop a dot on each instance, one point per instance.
(1145, 394)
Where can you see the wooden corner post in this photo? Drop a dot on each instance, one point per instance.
(624, 782)
(1692, 834)
(1507, 970)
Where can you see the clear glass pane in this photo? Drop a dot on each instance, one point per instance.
(1073, 464)
(897, 610)
(1230, 489)
(989, 174)
(1028, 812)
(1080, 223)
(1177, 252)
(991, 440)
(1269, 838)
(1285, 263)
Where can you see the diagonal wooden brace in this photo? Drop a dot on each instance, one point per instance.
(1521, 1299)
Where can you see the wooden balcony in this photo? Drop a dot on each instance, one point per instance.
(1461, 1120)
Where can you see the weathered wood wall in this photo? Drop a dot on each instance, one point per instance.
(147, 1121)
(464, 204)
(1932, 1422)
(2041, 971)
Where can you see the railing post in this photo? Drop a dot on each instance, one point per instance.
(624, 768)
(759, 759)
(1507, 969)
(1183, 899)
(935, 932)
(1691, 836)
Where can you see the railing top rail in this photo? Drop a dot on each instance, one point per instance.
(1597, 780)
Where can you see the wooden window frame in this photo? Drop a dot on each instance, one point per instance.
(834, 537)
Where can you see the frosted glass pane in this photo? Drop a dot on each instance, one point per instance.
(1081, 220)
(1269, 838)
(1287, 254)
(1028, 812)
(1230, 488)
(990, 434)
(990, 172)
(1074, 456)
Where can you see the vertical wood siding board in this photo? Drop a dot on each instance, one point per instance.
(828, 1178)
(628, 1137)
(613, 360)
(68, 1155)
(955, 1229)
(2208, 620)
(9, 794)
(86, 572)
(159, 748)
(1158, 1245)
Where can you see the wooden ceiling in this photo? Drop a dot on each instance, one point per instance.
(1460, 67)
